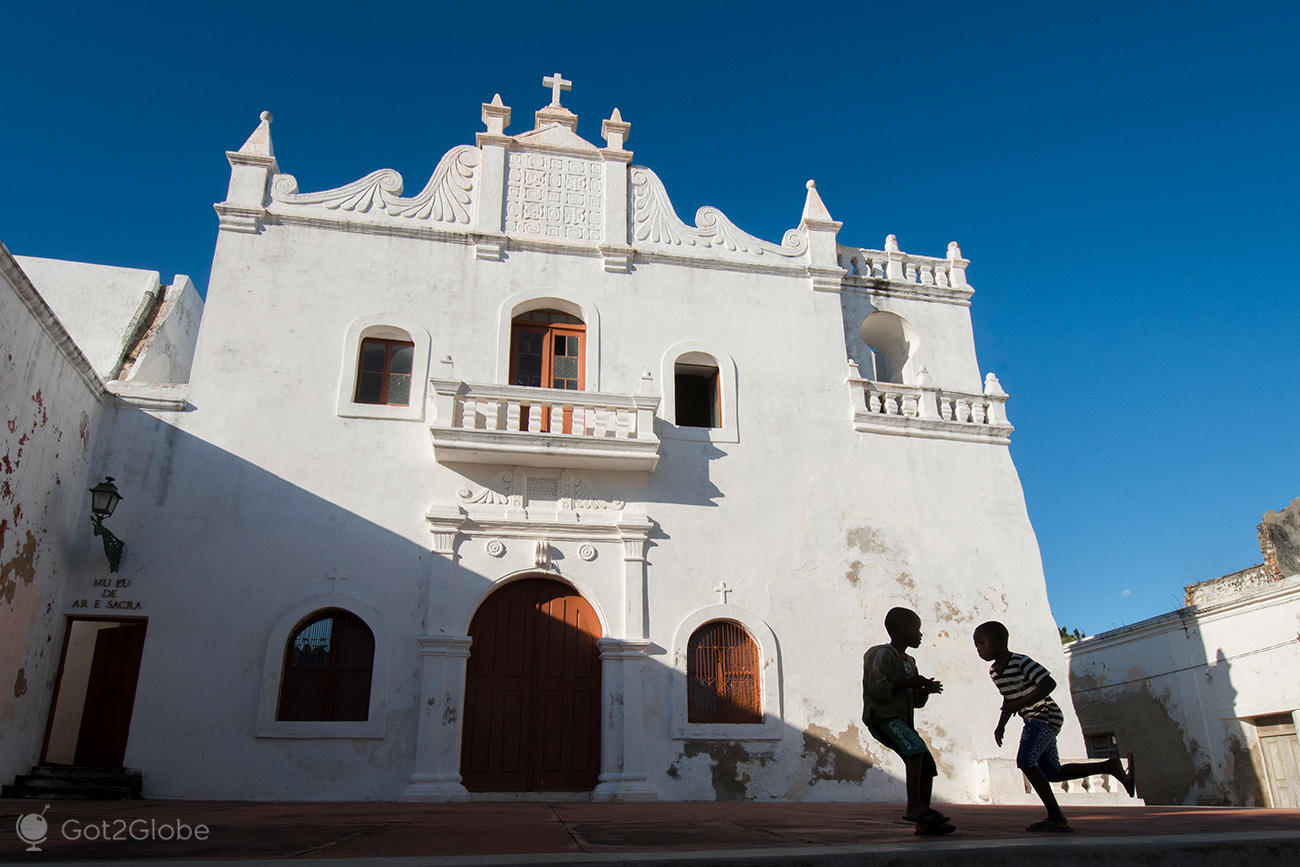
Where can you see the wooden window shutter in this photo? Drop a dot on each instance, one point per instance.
(722, 675)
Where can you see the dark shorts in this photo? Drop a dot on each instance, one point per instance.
(1038, 750)
(903, 739)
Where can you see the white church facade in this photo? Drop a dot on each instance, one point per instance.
(522, 483)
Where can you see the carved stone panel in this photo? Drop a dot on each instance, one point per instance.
(554, 197)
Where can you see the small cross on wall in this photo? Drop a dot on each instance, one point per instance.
(722, 590)
(556, 83)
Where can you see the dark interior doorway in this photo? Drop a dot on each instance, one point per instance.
(90, 720)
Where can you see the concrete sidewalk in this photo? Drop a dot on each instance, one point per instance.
(490, 833)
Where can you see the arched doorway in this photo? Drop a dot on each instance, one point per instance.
(532, 691)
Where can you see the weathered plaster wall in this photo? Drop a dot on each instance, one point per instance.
(1179, 690)
(49, 412)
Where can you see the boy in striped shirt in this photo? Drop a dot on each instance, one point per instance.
(1026, 686)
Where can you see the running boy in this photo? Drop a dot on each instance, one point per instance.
(891, 691)
(1025, 686)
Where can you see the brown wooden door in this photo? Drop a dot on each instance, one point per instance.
(110, 696)
(532, 691)
(547, 349)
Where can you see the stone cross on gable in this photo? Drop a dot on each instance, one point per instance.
(722, 590)
(556, 83)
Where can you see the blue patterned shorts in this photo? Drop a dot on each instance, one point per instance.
(1038, 750)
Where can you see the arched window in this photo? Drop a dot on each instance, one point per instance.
(722, 675)
(893, 347)
(384, 371)
(547, 350)
(328, 662)
(385, 368)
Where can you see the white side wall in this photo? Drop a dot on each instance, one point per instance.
(1179, 690)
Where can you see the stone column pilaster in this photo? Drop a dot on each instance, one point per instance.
(443, 655)
(490, 201)
(622, 741)
(616, 247)
(436, 776)
(634, 531)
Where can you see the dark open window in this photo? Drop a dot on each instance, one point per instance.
(722, 675)
(327, 669)
(697, 398)
(384, 371)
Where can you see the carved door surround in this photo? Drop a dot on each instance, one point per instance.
(541, 522)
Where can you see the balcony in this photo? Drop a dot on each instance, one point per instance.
(929, 411)
(544, 427)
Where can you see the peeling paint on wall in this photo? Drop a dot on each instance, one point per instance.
(835, 757)
(730, 780)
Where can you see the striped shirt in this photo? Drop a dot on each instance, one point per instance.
(1021, 677)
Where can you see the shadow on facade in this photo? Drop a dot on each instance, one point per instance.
(221, 553)
(1180, 723)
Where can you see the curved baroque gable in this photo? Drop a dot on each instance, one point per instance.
(447, 198)
(655, 224)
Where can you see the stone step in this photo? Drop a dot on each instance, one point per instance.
(66, 782)
(31, 792)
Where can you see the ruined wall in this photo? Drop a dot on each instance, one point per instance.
(1181, 690)
(50, 404)
(1279, 540)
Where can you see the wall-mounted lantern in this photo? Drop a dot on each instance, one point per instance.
(103, 500)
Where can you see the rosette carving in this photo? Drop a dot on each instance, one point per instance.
(654, 221)
(446, 198)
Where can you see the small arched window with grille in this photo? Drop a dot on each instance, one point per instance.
(722, 675)
(328, 663)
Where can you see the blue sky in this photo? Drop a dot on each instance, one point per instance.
(1122, 176)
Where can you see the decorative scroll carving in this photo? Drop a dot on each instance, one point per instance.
(495, 548)
(587, 551)
(583, 497)
(497, 494)
(655, 221)
(445, 199)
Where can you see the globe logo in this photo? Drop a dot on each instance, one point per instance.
(33, 829)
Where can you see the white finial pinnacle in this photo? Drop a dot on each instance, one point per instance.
(813, 206)
(954, 252)
(259, 143)
(496, 99)
(556, 83)
(616, 116)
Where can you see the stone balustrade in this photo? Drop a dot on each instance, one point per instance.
(895, 266)
(517, 425)
(929, 411)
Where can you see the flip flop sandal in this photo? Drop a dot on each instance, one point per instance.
(927, 816)
(935, 829)
(1049, 825)
(1130, 778)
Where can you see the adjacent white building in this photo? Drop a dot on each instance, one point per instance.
(520, 482)
(1206, 696)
